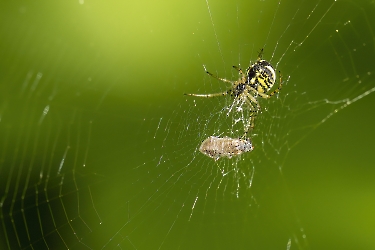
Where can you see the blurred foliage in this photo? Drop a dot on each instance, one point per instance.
(98, 141)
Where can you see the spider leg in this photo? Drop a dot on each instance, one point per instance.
(235, 102)
(263, 95)
(278, 89)
(249, 123)
(254, 108)
(210, 95)
(251, 97)
(249, 126)
(257, 93)
(219, 78)
(215, 94)
(239, 70)
(260, 55)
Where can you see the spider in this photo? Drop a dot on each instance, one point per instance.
(258, 80)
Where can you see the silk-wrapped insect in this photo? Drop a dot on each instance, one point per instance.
(217, 147)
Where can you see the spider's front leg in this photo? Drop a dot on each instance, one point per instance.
(219, 78)
(239, 70)
(260, 54)
(211, 95)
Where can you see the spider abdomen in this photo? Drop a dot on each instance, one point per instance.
(261, 76)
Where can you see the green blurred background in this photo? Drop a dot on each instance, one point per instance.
(98, 142)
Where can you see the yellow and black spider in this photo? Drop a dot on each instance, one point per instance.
(258, 80)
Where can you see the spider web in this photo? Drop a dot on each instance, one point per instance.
(100, 148)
